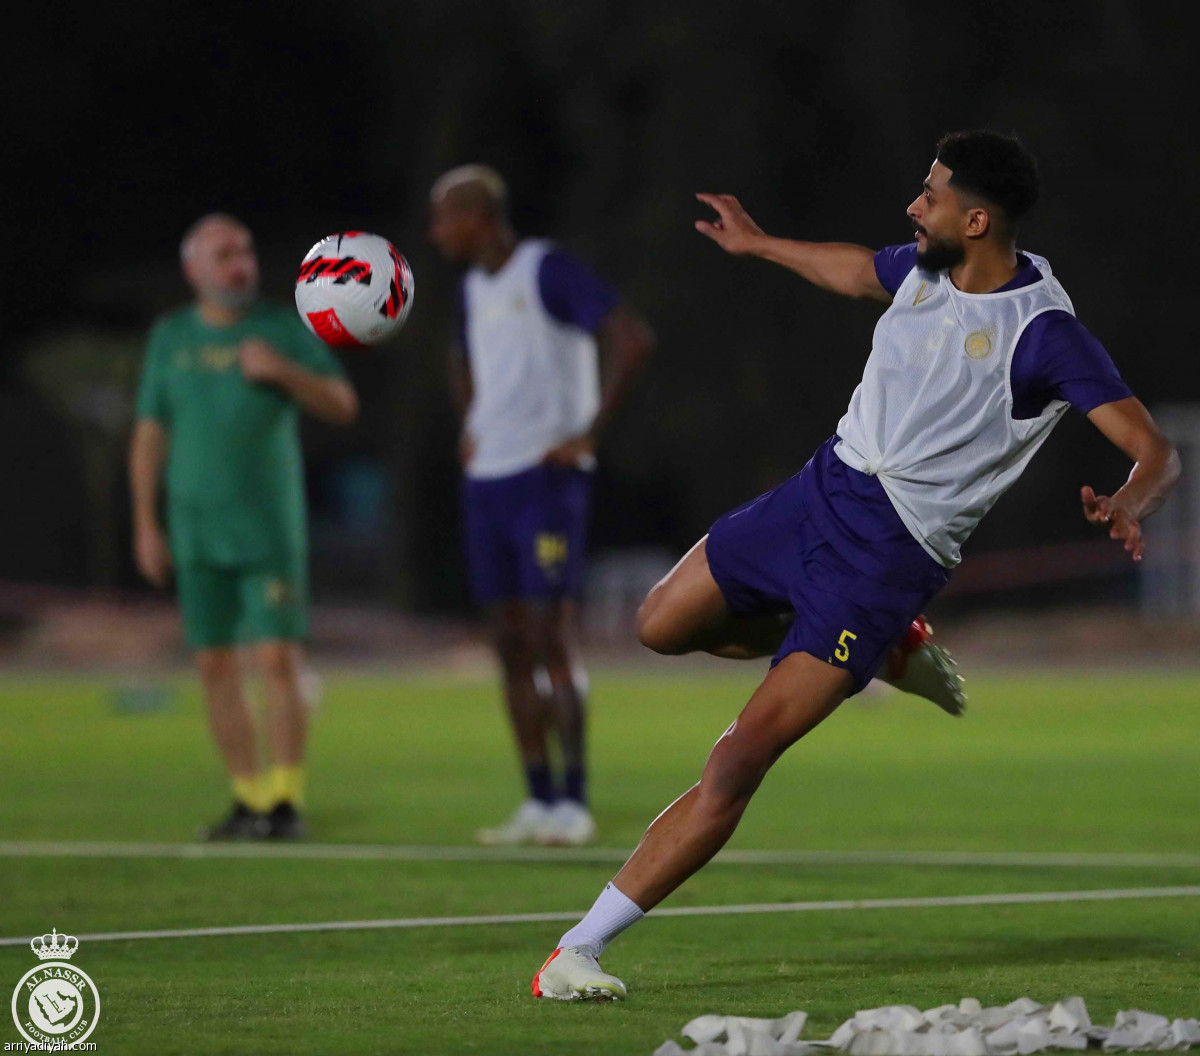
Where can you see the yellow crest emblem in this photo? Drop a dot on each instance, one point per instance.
(978, 345)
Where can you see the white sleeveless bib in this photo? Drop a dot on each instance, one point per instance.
(535, 380)
(932, 417)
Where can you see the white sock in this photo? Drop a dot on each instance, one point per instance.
(612, 913)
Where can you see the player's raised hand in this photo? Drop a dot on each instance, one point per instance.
(260, 362)
(570, 452)
(732, 230)
(1122, 526)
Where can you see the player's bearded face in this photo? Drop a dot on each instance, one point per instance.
(225, 269)
(937, 218)
(938, 253)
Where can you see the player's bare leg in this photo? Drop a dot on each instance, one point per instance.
(558, 649)
(796, 695)
(686, 612)
(514, 631)
(233, 731)
(282, 667)
(571, 822)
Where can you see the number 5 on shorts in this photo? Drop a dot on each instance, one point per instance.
(842, 652)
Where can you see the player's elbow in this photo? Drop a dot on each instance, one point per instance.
(1158, 454)
(344, 406)
(629, 336)
(643, 342)
(655, 630)
(147, 441)
(1173, 466)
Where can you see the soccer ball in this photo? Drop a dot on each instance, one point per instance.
(354, 289)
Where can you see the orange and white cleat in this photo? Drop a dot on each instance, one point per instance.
(919, 665)
(572, 973)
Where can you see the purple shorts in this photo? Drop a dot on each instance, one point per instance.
(526, 533)
(829, 546)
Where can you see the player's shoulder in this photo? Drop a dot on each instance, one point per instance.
(176, 324)
(174, 318)
(538, 247)
(1047, 295)
(1056, 331)
(903, 254)
(551, 257)
(555, 262)
(1037, 260)
(894, 264)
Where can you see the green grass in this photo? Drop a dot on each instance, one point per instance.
(1046, 763)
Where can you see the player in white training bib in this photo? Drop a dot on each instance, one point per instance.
(975, 360)
(525, 369)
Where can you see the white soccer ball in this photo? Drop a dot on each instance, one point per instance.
(354, 289)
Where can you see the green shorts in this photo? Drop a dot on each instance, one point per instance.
(231, 605)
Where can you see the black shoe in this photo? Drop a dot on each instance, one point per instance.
(283, 822)
(241, 823)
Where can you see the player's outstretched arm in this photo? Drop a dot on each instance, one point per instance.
(839, 267)
(1128, 424)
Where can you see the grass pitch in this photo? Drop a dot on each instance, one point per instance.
(1096, 763)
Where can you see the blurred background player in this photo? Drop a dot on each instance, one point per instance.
(525, 378)
(223, 383)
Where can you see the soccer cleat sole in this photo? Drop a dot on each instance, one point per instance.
(954, 701)
(588, 992)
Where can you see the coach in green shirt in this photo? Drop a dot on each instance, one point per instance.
(223, 385)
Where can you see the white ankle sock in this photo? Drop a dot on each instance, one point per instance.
(612, 913)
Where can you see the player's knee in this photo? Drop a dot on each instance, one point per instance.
(727, 793)
(554, 648)
(217, 665)
(654, 628)
(516, 647)
(735, 769)
(278, 661)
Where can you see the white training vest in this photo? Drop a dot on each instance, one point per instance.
(932, 417)
(536, 381)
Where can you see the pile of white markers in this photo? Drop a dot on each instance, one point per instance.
(965, 1029)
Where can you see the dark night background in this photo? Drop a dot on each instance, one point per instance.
(309, 118)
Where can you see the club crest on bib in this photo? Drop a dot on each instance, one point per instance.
(978, 345)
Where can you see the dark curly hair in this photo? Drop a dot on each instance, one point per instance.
(993, 166)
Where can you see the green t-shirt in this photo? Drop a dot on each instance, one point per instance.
(235, 480)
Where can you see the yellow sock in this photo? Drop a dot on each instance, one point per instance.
(253, 791)
(287, 785)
